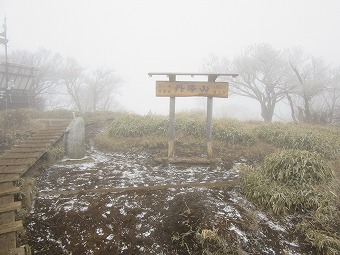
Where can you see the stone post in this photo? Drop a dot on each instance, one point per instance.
(75, 139)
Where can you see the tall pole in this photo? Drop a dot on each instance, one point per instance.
(172, 132)
(4, 34)
(211, 78)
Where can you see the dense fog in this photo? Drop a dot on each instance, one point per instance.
(121, 41)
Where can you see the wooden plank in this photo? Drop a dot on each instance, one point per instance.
(11, 227)
(9, 177)
(9, 191)
(194, 74)
(7, 241)
(53, 128)
(50, 132)
(20, 155)
(17, 162)
(18, 251)
(50, 135)
(179, 160)
(10, 207)
(13, 169)
(52, 139)
(26, 150)
(189, 89)
(42, 146)
(42, 139)
(6, 163)
(46, 136)
(223, 184)
(40, 142)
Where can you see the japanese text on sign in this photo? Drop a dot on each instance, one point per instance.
(188, 89)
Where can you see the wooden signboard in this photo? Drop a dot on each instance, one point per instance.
(209, 89)
(189, 89)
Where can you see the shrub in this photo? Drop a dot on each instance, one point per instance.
(132, 125)
(290, 180)
(227, 131)
(190, 125)
(14, 118)
(325, 243)
(57, 114)
(311, 138)
(295, 167)
(232, 132)
(293, 181)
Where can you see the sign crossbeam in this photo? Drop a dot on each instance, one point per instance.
(234, 75)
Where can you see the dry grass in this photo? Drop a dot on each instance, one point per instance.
(321, 139)
(293, 181)
(234, 141)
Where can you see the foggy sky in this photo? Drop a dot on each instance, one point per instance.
(135, 37)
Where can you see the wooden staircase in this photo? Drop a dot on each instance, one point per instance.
(13, 164)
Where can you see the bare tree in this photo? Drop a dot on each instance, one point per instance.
(268, 76)
(73, 77)
(66, 82)
(101, 85)
(311, 78)
(48, 65)
(215, 64)
(331, 97)
(262, 75)
(48, 80)
(262, 71)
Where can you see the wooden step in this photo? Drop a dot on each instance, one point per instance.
(40, 139)
(52, 127)
(13, 169)
(10, 207)
(20, 155)
(44, 140)
(181, 160)
(42, 146)
(46, 136)
(51, 132)
(9, 191)
(19, 251)
(9, 177)
(25, 150)
(11, 227)
(17, 162)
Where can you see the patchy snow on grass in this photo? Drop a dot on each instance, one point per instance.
(241, 234)
(114, 218)
(270, 223)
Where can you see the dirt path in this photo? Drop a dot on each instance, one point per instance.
(227, 184)
(125, 203)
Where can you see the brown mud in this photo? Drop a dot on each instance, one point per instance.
(70, 217)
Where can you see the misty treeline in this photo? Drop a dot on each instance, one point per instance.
(306, 84)
(62, 82)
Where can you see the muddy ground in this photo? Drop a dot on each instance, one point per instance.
(162, 221)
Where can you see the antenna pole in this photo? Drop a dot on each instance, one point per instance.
(4, 41)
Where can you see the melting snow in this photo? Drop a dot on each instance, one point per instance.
(127, 170)
(271, 224)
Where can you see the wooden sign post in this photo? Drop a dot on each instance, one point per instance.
(173, 89)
